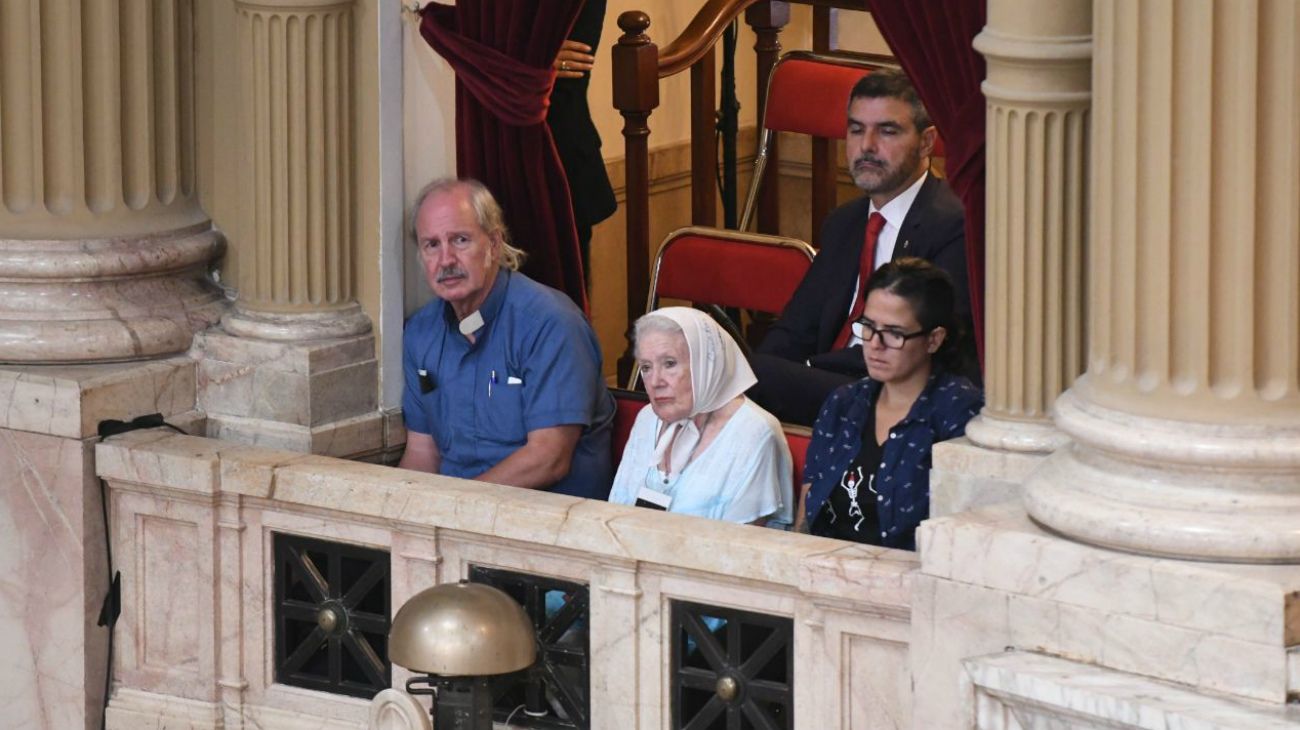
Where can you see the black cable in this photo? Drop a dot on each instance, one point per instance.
(112, 606)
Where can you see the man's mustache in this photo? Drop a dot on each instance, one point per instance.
(450, 272)
(869, 159)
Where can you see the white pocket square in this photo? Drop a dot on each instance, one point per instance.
(512, 380)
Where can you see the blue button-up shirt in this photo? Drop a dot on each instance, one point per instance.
(535, 363)
(903, 475)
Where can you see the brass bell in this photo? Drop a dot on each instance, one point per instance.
(462, 630)
(458, 635)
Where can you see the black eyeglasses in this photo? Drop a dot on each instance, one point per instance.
(864, 330)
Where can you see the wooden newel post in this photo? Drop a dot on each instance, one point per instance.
(767, 19)
(636, 94)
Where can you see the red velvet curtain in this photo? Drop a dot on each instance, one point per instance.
(501, 51)
(932, 40)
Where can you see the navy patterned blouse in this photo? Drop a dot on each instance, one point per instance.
(903, 477)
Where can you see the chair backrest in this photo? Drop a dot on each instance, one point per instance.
(725, 268)
(728, 268)
(628, 403)
(798, 437)
(808, 93)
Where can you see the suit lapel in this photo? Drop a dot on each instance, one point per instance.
(914, 238)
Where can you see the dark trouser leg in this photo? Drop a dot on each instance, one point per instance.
(792, 391)
(584, 247)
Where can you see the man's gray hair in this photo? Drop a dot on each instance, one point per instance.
(486, 209)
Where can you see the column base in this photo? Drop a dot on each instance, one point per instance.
(992, 581)
(106, 300)
(965, 476)
(348, 321)
(1203, 491)
(319, 396)
(1004, 434)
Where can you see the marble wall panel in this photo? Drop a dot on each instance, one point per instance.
(947, 627)
(167, 636)
(1001, 549)
(876, 684)
(70, 401)
(849, 604)
(168, 595)
(53, 577)
(615, 645)
(954, 621)
(349, 438)
(1024, 691)
(965, 476)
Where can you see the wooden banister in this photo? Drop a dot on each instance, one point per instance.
(639, 64)
(701, 35)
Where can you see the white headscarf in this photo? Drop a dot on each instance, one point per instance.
(719, 373)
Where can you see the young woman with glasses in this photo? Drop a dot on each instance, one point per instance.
(868, 468)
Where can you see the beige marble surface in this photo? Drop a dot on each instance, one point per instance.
(71, 400)
(850, 605)
(308, 383)
(992, 579)
(1201, 490)
(81, 299)
(52, 579)
(1024, 691)
(966, 476)
(422, 500)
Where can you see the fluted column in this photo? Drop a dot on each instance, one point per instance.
(1038, 91)
(103, 247)
(1187, 422)
(296, 272)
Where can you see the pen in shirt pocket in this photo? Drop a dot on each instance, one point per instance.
(492, 380)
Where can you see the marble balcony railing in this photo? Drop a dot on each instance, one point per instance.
(192, 526)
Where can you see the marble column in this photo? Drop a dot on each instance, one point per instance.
(104, 250)
(1039, 93)
(1187, 422)
(296, 71)
(293, 365)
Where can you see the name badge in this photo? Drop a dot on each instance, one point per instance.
(652, 499)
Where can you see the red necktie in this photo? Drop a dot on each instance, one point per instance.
(867, 265)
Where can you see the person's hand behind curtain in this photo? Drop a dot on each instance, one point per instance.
(573, 60)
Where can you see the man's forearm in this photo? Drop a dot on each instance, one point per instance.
(541, 462)
(421, 453)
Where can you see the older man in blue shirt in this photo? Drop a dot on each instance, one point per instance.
(503, 375)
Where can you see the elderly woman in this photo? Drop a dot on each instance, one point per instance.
(702, 448)
(868, 469)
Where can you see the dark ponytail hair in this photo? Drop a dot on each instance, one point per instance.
(929, 291)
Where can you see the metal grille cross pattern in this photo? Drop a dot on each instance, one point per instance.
(555, 691)
(332, 616)
(732, 669)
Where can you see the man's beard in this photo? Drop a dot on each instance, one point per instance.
(885, 179)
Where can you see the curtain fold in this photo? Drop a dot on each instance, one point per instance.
(501, 51)
(932, 40)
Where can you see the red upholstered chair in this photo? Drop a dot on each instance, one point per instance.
(727, 268)
(627, 404)
(798, 437)
(808, 93)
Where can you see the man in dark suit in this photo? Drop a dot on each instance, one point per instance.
(576, 138)
(810, 350)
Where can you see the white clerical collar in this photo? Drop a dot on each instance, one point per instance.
(471, 324)
(895, 211)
